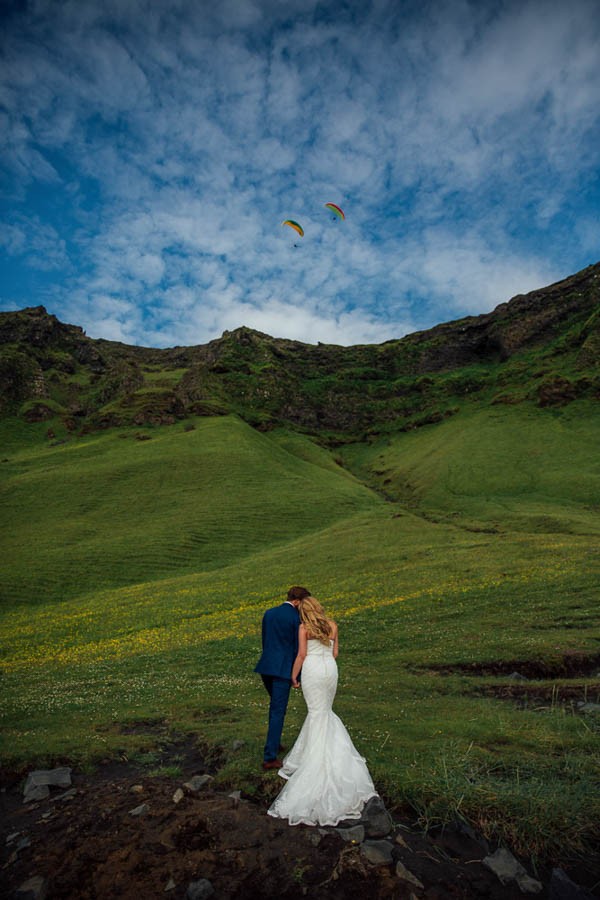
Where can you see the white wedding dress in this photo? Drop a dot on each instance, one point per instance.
(327, 778)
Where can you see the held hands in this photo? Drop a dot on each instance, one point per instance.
(295, 683)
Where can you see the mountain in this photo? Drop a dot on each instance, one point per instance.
(542, 346)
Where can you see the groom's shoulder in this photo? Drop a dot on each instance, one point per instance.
(283, 609)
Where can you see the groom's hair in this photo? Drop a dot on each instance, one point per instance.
(297, 593)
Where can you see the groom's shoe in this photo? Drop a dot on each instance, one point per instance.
(272, 764)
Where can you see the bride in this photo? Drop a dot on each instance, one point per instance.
(327, 780)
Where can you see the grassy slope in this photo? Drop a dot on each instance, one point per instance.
(513, 467)
(107, 509)
(148, 633)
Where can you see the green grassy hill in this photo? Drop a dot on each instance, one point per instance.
(110, 509)
(509, 468)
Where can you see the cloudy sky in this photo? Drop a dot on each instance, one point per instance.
(152, 148)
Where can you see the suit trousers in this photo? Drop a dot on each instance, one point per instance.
(279, 692)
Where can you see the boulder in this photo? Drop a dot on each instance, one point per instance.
(376, 819)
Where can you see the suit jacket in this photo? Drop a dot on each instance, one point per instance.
(279, 641)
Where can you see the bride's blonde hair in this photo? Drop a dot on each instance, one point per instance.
(312, 616)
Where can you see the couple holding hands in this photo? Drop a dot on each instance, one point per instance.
(327, 780)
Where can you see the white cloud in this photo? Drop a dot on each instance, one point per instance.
(36, 241)
(466, 275)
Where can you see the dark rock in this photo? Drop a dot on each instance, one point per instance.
(140, 810)
(459, 840)
(516, 676)
(197, 782)
(37, 792)
(355, 834)
(37, 786)
(199, 890)
(556, 392)
(378, 853)
(235, 796)
(35, 888)
(589, 707)
(376, 819)
(39, 412)
(562, 888)
(406, 875)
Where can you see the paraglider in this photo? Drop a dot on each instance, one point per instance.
(295, 226)
(335, 209)
(337, 212)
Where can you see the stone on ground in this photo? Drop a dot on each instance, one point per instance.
(199, 890)
(508, 869)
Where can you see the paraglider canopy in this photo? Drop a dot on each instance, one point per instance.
(332, 207)
(295, 226)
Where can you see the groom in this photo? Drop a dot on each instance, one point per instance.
(279, 650)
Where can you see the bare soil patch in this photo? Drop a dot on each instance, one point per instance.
(570, 665)
(552, 694)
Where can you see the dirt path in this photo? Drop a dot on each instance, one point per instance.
(89, 845)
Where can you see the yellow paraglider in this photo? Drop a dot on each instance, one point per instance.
(295, 226)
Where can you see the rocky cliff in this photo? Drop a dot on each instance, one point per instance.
(544, 345)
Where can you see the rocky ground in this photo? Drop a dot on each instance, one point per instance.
(121, 833)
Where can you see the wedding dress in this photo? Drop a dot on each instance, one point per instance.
(327, 778)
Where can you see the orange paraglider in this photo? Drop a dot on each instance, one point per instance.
(295, 226)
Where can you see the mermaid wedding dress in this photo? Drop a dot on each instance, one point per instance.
(327, 778)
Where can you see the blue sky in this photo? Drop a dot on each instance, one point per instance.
(150, 151)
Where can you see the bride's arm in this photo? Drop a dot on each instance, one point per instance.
(301, 656)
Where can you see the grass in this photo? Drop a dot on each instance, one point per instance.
(114, 613)
(514, 468)
(123, 511)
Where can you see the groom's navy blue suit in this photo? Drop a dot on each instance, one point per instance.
(279, 650)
